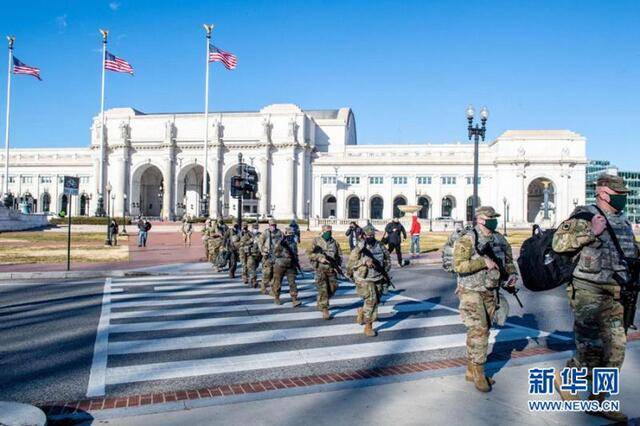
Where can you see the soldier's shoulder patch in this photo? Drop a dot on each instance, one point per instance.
(565, 226)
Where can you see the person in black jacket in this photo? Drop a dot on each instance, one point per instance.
(113, 232)
(395, 233)
(353, 234)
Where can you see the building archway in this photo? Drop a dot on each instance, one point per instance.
(448, 204)
(376, 207)
(470, 208)
(398, 201)
(147, 191)
(45, 202)
(229, 204)
(189, 191)
(425, 205)
(536, 198)
(329, 206)
(353, 207)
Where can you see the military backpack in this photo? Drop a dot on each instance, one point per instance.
(447, 249)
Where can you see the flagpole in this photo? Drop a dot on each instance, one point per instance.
(11, 40)
(205, 181)
(100, 207)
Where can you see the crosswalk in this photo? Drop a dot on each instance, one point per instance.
(190, 326)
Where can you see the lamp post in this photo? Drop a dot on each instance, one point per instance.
(477, 132)
(108, 241)
(113, 199)
(124, 216)
(308, 214)
(273, 209)
(575, 203)
(545, 193)
(505, 203)
(220, 201)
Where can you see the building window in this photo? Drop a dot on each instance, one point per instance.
(376, 180)
(326, 180)
(60, 179)
(448, 180)
(399, 180)
(27, 179)
(12, 179)
(423, 180)
(45, 179)
(352, 180)
(84, 179)
(470, 180)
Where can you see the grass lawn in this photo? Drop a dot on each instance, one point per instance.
(51, 247)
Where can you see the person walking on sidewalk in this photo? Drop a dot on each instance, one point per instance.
(187, 230)
(323, 251)
(415, 235)
(142, 231)
(354, 232)
(113, 232)
(395, 233)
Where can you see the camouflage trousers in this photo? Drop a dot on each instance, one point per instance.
(280, 269)
(233, 263)
(267, 273)
(598, 329)
(326, 286)
(243, 262)
(370, 293)
(476, 311)
(251, 269)
(214, 251)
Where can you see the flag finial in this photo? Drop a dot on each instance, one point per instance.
(104, 33)
(11, 40)
(208, 28)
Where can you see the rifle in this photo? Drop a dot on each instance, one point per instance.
(292, 254)
(377, 266)
(487, 251)
(333, 262)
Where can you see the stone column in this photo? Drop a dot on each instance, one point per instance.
(302, 191)
(214, 166)
(289, 208)
(263, 183)
(167, 198)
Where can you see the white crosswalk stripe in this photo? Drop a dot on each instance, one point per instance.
(172, 327)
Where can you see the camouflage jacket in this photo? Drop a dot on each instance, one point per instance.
(598, 259)
(250, 244)
(470, 265)
(232, 239)
(268, 241)
(357, 264)
(214, 236)
(330, 247)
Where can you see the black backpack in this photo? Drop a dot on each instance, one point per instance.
(541, 268)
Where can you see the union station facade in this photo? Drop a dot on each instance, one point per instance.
(309, 165)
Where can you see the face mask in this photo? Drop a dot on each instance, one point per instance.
(326, 235)
(254, 231)
(272, 227)
(491, 224)
(618, 201)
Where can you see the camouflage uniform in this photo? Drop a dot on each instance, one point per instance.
(369, 282)
(205, 238)
(268, 240)
(477, 287)
(250, 246)
(215, 238)
(326, 277)
(246, 239)
(284, 265)
(232, 243)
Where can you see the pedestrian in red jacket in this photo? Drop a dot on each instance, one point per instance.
(415, 236)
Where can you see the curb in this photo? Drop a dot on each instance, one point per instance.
(71, 274)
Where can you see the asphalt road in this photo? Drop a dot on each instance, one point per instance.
(175, 332)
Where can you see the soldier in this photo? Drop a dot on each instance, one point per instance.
(246, 238)
(365, 261)
(322, 247)
(205, 238)
(478, 285)
(214, 242)
(594, 293)
(187, 230)
(251, 246)
(268, 240)
(286, 253)
(232, 244)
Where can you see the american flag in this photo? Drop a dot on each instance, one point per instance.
(228, 59)
(20, 67)
(113, 63)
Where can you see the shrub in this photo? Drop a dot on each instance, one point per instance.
(86, 220)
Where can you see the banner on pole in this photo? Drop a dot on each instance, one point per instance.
(71, 185)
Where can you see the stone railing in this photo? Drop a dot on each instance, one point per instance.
(436, 225)
(12, 220)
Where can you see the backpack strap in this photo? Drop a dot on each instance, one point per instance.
(616, 243)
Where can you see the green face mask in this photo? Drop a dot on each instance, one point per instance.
(326, 235)
(618, 201)
(491, 224)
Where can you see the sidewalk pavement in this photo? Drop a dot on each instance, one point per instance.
(413, 399)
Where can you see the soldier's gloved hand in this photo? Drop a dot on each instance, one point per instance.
(369, 263)
(598, 224)
(511, 282)
(490, 263)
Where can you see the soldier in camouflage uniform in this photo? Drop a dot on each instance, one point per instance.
(268, 240)
(326, 276)
(250, 245)
(284, 265)
(205, 237)
(232, 243)
(243, 251)
(215, 238)
(478, 282)
(594, 295)
(369, 282)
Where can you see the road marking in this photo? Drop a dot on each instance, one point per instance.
(201, 367)
(97, 374)
(207, 289)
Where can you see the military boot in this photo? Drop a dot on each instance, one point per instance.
(565, 395)
(254, 283)
(276, 300)
(360, 317)
(368, 330)
(325, 314)
(468, 375)
(295, 302)
(479, 379)
(615, 416)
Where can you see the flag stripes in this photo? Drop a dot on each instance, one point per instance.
(20, 67)
(229, 60)
(113, 63)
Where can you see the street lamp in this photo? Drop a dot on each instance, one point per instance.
(113, 202)
(477, 132)
(505, 203)
(308, 214)
(108, 241)
(124, 216)
(545, 193)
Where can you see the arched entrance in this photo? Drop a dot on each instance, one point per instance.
(45, 202)
(541, 197)
(398, 201)
(448, 204)
(353, 207)
(189, 191)
(329, 207)
(147, 191)
(27, 204)
(470, 208)
(376, 207)
(423, 202)
(229, 204)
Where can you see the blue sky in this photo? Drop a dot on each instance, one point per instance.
(407, 68)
